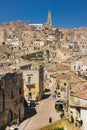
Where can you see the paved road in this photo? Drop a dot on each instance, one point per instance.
(44, 110)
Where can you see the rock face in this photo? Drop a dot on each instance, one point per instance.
(12, 97)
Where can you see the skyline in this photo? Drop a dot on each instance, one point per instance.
(65, 13)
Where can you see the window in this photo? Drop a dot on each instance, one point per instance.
(35, 67)
(74, 67)
(29, 67)
(58, 87)
(2, 82)
(3, 101)
(29, 80)
(79, 67)
(0, 85)
(64, 84)
(79, 112)
(1, 116)
(20, 91)
(11, 94)
(30, 95)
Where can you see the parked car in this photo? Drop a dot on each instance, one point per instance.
(58, 94)
(31, 103)
(59, 102)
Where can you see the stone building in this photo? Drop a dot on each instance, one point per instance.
(11, 98)
(49, 18)
(68, 83)
(78, 105)
(33, 75)
(48, 24)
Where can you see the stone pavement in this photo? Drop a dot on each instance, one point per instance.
(45, 109)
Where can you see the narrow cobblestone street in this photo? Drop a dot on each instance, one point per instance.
(44, 110)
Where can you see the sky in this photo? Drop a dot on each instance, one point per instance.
(65, 13)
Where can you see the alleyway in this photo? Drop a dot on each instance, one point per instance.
(44, 110)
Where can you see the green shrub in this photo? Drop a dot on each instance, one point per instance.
(76, 124)
(57, 107)
(81, 122)
(62, 114)
(14, 121)
(59, 128)
(72, 119)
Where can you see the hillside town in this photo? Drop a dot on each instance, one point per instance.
(39, 59)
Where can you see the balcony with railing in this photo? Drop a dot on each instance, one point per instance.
(30, 85)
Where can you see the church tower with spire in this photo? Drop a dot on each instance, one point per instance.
(49, 20)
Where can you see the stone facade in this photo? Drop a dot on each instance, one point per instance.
(12, 98)
(33, 75)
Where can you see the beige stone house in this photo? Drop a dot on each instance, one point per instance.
(52, 73)
(33, 76)
(67, 83)
(53, 78)
(49, 71)
(63, 88)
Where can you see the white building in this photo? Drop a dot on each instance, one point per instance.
(78, 105)
(14, 42)
(79, 66)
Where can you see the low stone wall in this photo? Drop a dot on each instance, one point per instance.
(60, 123)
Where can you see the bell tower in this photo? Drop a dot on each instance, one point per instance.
(49, 20)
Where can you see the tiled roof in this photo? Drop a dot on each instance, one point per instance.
(81, 92)
(51, 70)
(65, 76)
(71, 78)
(76, 79)
(62, 67)
(55, 75)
